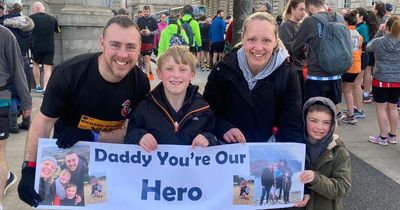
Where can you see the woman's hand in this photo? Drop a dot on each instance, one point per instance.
(148, 142)
(307, 176)
(234, 135)
(303, 202)
(200, 141)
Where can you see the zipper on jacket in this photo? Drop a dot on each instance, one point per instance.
(174, 123)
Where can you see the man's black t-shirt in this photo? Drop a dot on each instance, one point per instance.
(151, 24)
(204, 31)
(80, 97)
(43, 32)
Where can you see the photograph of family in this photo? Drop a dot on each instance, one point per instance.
(275, 171)
(63, 174)
(96, 189)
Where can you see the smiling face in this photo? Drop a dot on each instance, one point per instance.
(318, 125)
(47, 168)
(71, 192)
(72, 161)
(65, 176)
(259, 40)
(175, 77)
(121, 48)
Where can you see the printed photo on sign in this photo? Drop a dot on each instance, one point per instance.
(243, 190)
(96, 189)
(62, 175)
(276, 171)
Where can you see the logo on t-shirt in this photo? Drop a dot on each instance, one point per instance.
(126, 108)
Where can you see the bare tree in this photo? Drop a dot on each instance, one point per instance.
(241, 10)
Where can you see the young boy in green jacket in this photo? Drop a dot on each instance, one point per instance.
(328, 162)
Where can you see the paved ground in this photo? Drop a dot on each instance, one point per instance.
(376, 169)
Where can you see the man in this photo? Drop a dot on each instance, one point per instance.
(21, 26)
(264, 6)
(194, 35)
(89, 97)
(11, 71)
(42, 44)
(78, 167)
(148, 28)
(319, 82)
(217, 32)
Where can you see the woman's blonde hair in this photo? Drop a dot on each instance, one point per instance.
(64, 171)
(261, 16)
(180, 54)
(393, 24)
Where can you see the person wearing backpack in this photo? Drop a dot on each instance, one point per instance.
(324, 69)
(217, 31)
(172, 35)
(192, 32)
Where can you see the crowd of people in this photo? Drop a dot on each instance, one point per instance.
(269, 87)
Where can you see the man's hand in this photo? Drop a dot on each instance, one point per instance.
(114, 136)
(234, 135)
(26, 191)
(69, 136)
(200, 140)
(148, 142)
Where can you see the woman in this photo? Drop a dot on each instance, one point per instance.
(48, 167)
(293, 15)
(386, 81)
(244, 89)
(364, 29)
(161, 26)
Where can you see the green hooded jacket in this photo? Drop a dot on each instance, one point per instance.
(195, 28)
(166, 35)
(332, 180)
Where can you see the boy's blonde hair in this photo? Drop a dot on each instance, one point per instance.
(65, 171)
(180, 54)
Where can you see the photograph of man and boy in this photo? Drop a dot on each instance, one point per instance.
(275, 171)
(96, 189)
(63, 174)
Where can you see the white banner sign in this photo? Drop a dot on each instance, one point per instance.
(125, 177)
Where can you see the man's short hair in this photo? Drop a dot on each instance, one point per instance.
(315, 3)
(121, 20)
(187, 9)
(219, 11)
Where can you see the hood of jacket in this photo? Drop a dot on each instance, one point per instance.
(390, 44)
(315, 150)
(17, 21)
(279, 56)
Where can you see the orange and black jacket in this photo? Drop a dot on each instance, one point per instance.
(156, 116)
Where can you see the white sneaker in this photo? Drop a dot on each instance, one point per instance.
(378, 140)
(392, 140)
